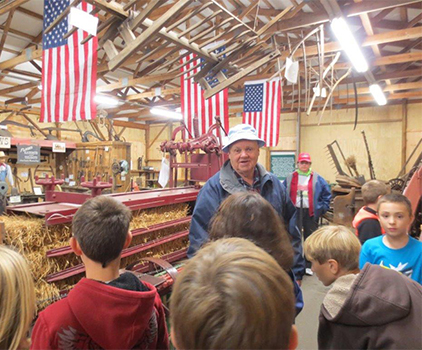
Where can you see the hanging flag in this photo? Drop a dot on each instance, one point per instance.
(194, 104)
(261, 108)
(69, 69)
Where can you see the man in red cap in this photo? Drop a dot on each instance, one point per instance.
(311, 195)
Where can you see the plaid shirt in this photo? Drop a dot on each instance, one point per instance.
(256, 186)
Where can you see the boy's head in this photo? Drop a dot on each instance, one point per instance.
(372, 190)
(233, 295)
(101, 228)
(395, 214)
(333, 251)
(248, 215)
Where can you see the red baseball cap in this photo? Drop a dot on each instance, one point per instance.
(304, 157)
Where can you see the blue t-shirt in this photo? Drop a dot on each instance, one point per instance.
(407, 260)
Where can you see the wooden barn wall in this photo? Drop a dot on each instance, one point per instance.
(389, 129)
(135, 136)
(392, 133)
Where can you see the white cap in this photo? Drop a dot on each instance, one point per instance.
(242, 132)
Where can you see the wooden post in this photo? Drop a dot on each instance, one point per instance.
(404, 132)
(2, 232)
(147, 138)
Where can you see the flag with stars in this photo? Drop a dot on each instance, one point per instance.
(261, 108)
(193, 102)
(69, 69)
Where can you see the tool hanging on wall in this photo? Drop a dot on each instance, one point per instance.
(334, 159)
(370, 165)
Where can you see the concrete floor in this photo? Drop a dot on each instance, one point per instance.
(307, 321)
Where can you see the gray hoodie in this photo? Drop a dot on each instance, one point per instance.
(376, 309)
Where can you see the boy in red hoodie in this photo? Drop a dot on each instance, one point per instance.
(366, 221)
(104, 310)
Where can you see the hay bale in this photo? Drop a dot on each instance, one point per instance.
(33, 239)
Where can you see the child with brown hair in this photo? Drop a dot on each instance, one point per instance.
(232, 295)
(395, 250)
(17, 300)
(366, 220)
(248, 215)
(374, 308)
(104, 310)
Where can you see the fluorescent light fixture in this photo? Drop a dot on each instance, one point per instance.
(348, 44)
(106, 100)
(166, 113)
(378, 94)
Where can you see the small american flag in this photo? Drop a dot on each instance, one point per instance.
(261, 109)
(194, 104)
(69, 69)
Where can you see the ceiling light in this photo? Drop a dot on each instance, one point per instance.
(106, 100)
(378, 94)
(348, 44)
(166, 113)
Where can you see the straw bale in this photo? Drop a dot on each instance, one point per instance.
(157, 252)
(33, 239)
(148, 217)
(159, 234)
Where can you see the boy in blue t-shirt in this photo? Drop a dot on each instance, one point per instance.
(395, 250)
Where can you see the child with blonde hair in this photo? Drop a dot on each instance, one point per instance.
(374, 308)
(233, 295)
(17, 300)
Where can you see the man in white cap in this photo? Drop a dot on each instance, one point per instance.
(5, 170)
(242, 172)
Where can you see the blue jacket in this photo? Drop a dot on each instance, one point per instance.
(224, 183)
(321, 190)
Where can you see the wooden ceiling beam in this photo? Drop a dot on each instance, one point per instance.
(130, 125)
(310, 19)
(6, 29)
(19, 87)
(387, 88)
(153, 93)
(125, 82)
(21, 72)
(18, 32)
(376, 39)
(147, 35)
(29, 13)
(26, 56)
(9, 5)
(366, 22)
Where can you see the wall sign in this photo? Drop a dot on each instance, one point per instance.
(282, 163)
(59, 147)
(4, 142)
(28, 154)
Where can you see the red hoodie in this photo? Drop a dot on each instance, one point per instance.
(99, 316)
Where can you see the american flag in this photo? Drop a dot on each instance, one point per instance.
(69, 69)
(194, 104)
(261, 109)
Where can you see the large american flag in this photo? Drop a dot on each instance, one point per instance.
(261, 108)
(194, 104)
(69, 69)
